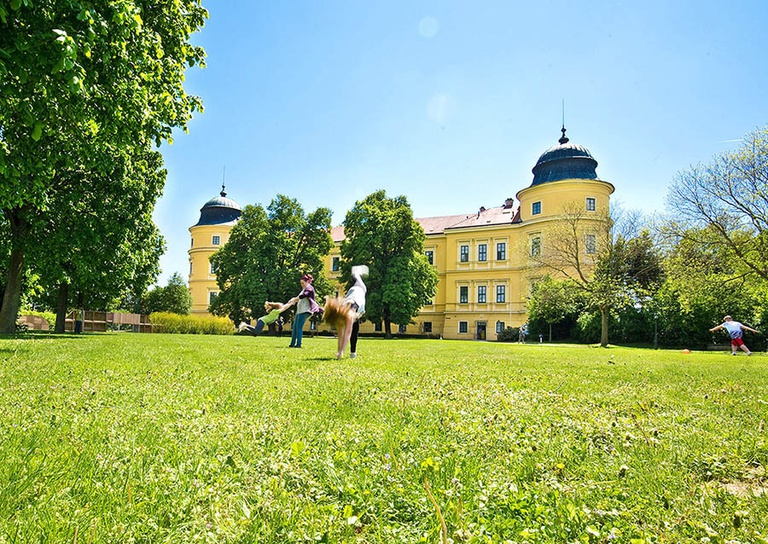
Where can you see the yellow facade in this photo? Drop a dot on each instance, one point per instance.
(217, 217)
(482, 258)
(205, 241)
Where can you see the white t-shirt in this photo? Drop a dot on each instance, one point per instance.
(356, 294)
(733, 328)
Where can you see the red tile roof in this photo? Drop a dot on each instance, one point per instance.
(437, 225)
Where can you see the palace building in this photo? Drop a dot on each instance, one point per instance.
(482, 258)
(207, 236)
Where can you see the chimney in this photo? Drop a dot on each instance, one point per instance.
(508, 203)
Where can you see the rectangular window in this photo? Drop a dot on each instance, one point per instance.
(427, 326)
(377, 326)
(430, 256)
(463, 327)
(463, 295)
(536, 208)
(590, 204)
(481, 293)
(501, 251)
(335, 264)
(401, 329)
(191, 242)
(190, 268)
(591, 244)
(482, 252)
(499, 326)
(535, 246)
(212, 296)
(216, 240)
(464, 251)
(501, 293)
(212, 268)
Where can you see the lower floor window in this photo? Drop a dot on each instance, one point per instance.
(401, 329)
(212, 296)
(427, 326)
(499, 326)
(463, 327)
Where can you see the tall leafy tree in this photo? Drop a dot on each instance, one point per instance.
(612, 265)
(552, 301)
(382, 233)
(80, 81)
(174, 298)
(726, 202)
(101, 245)
(705, 281)
(267, 253)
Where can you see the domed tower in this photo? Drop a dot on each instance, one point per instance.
(565, 174)
(208, 235)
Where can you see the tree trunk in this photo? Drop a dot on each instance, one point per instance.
(550, 333)
(61, 308)
(9, 311)
(604, 326)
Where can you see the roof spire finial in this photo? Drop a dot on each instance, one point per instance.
(223, 178)
(563, 139)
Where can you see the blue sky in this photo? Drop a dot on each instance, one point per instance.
(451, 103)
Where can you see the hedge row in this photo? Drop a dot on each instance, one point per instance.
(190, 324)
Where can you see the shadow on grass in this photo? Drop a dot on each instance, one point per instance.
(45, 335)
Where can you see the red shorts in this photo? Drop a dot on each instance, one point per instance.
(737, 342)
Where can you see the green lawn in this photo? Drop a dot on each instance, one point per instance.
(161, 438)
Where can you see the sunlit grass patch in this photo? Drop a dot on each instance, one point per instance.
(167, 438)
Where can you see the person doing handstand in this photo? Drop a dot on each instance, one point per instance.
(273, 309)
(345, 313)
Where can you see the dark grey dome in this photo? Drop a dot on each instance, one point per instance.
(219, 210)
(564, 161)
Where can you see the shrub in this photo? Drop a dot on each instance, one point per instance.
(510, 334)
(50, 317)
(190, 324)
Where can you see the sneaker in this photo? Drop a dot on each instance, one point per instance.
(749, 353)
(353, 355)
(733, 353)
(242, 326)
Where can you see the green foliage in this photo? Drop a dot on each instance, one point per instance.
(380, 232)
(622, 268)
(173, 323)
(267, 253)
(173, 298)
(239, 439)
(553, 301)
(85, 86)
(510, 334)
(724, 203)
(103, 244)
(50, 317)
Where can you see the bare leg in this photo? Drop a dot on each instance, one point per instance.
(339, 348)
(745, 348)
(344, 334)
